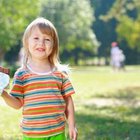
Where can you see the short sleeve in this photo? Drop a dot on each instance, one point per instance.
(67, 88)
(17, 87)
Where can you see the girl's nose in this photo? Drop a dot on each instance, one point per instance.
(41, 42)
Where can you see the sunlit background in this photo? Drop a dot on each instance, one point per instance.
(107, 102)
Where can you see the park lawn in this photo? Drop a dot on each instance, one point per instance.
(107, 105)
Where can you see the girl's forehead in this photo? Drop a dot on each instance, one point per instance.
(37, 31)
(45, 28)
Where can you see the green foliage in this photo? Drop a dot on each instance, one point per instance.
(14, 16)
(127, 14)
(105, 31)
(129, 29)
(73, 22)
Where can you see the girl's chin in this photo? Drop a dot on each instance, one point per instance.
(39, 57)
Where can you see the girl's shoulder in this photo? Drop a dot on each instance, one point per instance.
(63, 70)
(20, 72)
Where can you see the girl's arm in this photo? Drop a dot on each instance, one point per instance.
(12, 101)
(71, 119)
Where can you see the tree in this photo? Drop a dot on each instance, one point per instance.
(73, 20)
(14, 17)
(127, 14)
(105, 31)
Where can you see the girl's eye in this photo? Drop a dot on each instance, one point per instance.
(47, 39)
(36, 38)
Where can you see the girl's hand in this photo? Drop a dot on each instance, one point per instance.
(73, 133)
(4, 79)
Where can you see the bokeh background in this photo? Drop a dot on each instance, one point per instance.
(107, 103)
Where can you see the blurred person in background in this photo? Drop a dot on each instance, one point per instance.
(115, 56)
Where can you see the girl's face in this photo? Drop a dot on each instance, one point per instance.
(40, 45)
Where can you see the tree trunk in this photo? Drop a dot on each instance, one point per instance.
(76, 60)
(1, 56)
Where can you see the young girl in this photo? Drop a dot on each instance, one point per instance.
(42, 87)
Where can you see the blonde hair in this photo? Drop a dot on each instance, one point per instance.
(46, 27)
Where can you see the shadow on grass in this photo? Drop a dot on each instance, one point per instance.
(96, 126)
(111, 122)
(128, 93)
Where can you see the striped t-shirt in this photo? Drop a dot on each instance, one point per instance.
(43, 101)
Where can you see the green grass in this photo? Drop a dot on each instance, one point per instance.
(107, 105)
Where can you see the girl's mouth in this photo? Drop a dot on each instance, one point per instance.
(40, 49)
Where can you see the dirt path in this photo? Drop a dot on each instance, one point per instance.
(101, 102)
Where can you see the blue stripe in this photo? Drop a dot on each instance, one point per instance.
(17, 81)
(27, 118)
(43, 128)
(45, 92)
(17, 95)
(67, 90)
(38, 79)
(57, 102)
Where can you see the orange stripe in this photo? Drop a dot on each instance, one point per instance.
(46, 107)
(40, 87)
(41, 124)
(67, 85)
(44, 97)
(45, 133)
(41, 82)
(53, 110)
(69, 94)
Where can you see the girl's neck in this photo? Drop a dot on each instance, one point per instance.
(40, 66)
